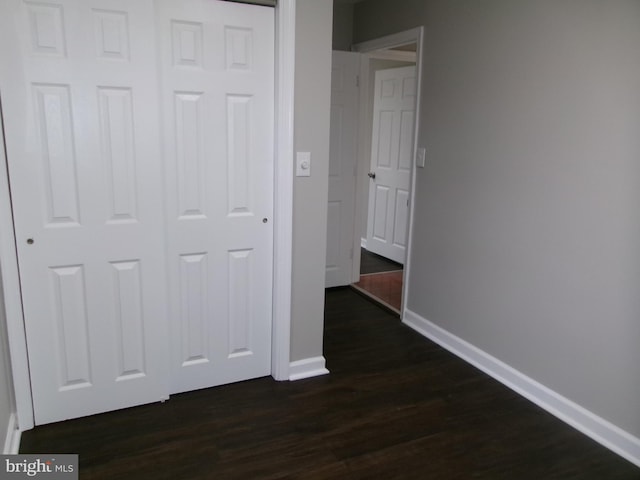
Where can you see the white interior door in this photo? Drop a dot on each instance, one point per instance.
(342, 168)
(142, 195)
(79, 98)
(218, 84)
(391, 162)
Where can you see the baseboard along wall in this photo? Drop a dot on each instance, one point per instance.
(602, 431)
(12, 438)
(307, 368)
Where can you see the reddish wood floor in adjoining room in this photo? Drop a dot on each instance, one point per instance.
(380, 280)
(386, 287)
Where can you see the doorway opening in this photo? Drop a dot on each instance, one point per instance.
(387, 146)
(374, 117)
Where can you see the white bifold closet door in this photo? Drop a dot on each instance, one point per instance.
(139, 144)
(217, 95)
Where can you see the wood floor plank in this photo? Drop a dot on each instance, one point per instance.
(395, 406)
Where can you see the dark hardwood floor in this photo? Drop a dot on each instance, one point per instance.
(395, 406)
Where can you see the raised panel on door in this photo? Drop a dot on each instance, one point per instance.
(129, 318)
(115, 112)
(217, 95)
(391, 161)
(71, 327)
(55, 127)
(385, 136)
(79, 99)
(193, 308)
(380, 213)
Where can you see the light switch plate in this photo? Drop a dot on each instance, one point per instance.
(303, 164)
(420, 157)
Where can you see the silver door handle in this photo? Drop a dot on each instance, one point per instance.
(372, 175)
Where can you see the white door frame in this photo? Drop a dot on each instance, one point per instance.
(415, 35)
(283, 188)
(13, 298)
(283, 231)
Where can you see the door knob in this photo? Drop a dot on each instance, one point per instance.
(30, 241)
(372, 174)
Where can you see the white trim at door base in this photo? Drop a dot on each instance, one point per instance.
(307, 368)
(12, 439)
(599, 429)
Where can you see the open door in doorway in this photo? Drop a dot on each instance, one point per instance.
(391, 159)
(342, 168)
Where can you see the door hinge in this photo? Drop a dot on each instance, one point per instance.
(358, 81)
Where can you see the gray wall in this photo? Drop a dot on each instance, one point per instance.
(311, 130)
(342, 26)
(7, 404)
(527, 218)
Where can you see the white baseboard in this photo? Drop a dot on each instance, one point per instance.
(363, 242)
(599, 429)
(309, 367)
(12, 439)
